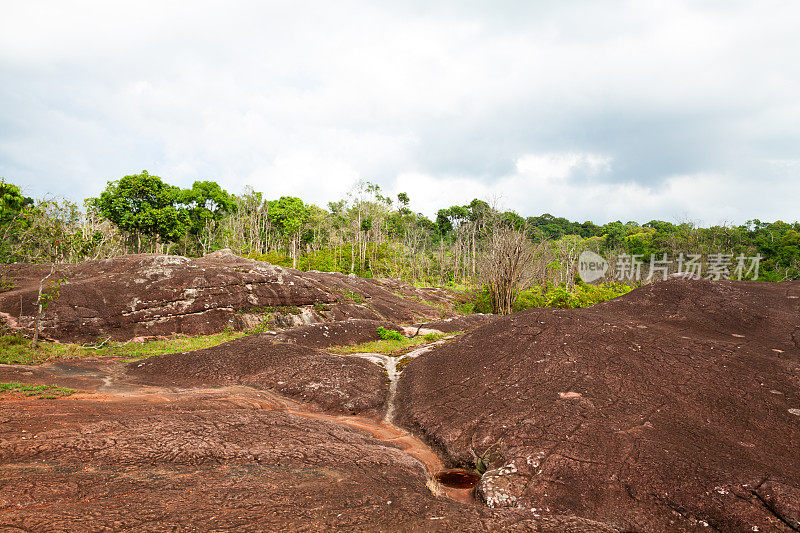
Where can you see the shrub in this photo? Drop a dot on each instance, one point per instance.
(389, 334)
(581, 295)
(354, 296)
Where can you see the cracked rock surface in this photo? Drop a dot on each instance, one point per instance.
(229, 458)
(668, 409)
(149, 295)
(339, 384)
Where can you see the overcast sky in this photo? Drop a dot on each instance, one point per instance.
(589, 110)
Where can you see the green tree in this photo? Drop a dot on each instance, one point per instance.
(206, 203)
(142, 204)
(11, 201)
(289, 215)
(12, 205)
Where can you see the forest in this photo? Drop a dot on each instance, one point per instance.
(369, 234)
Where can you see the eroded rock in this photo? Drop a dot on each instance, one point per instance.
(150, 295)
(631, 412)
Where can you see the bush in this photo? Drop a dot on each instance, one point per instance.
(553, 296)
(389, 334)
(581, 295)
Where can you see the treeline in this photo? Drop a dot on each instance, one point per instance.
(366, 233)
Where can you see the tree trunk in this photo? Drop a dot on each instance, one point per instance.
(40, 306)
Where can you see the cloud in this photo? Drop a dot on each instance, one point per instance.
(593, 109)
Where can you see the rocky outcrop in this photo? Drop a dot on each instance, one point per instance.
(338, 384)
(151, 295)
(668, 409)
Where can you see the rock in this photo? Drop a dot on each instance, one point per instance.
(150, 295)
(499, 487)
(339, 384)
(626, 425)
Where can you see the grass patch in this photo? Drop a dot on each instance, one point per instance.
(384, 346)
(15, 349)
(389, 334)
(394, 347)
(355, 297)
(44, 392)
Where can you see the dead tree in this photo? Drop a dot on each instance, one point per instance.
(508, 265)
(41, 304)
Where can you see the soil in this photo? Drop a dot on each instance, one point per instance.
(669, 409)
(150, 295)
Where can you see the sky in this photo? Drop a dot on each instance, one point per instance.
(597, 110)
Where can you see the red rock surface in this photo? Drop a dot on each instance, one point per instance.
(341, 333)
(150, 295)
(129, 456)
(673, 408)
(342, 384)
(668, 409)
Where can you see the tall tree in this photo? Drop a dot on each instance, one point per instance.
(143, 205)
(206, 203)
(289, 215)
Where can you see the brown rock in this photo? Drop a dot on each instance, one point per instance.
(150, 295)
(631, 412)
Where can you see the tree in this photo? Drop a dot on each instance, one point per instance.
(508, 263)
(206, 203)
(289, 215)
(142, 204)
(12, 204)
(11, 201)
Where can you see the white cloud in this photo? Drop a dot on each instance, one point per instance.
(588, 109)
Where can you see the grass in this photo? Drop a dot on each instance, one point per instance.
(45, 392)
(15, 349)
(386, 347)
(394, 347)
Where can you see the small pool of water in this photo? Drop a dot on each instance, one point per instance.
(457, 478)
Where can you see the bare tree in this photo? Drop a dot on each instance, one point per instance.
(507, 265)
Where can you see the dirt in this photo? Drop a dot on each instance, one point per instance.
(668, 409)
(150, 295)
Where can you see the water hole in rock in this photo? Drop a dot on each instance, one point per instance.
(457, 478)
(458, 484)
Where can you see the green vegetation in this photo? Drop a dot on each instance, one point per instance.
(372, 235)
(44, 392)
(490, 455)
(550, 295)
(386, 347)
(581, 295)
(289, 215)
(15, 349)
(394, 346)
(389, 334)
